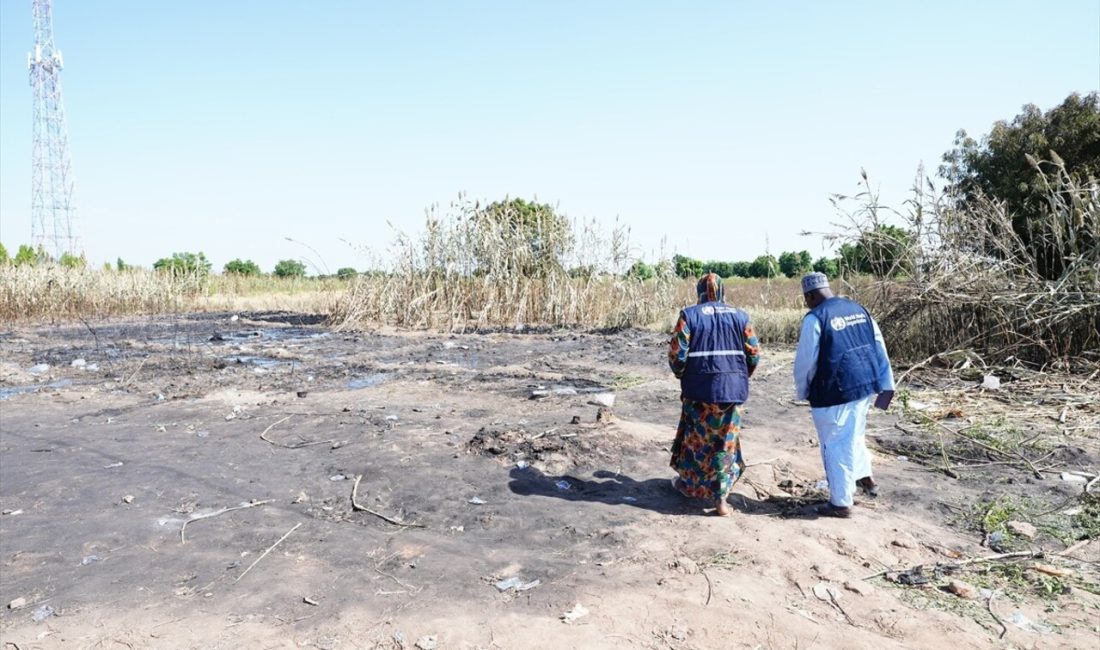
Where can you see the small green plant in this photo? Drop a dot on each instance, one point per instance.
(623, 382)
(4, 258)
(1012, 577)
(721, 559)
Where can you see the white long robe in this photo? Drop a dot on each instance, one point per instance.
(840, 428)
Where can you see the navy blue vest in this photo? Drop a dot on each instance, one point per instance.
(716, 371)
(847, 359)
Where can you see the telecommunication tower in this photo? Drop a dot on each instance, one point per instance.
(53, 213)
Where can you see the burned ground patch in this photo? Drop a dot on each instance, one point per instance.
(489, 459)
(556, 448)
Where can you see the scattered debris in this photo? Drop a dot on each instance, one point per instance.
(562, 485)
(576, 420)
(991, 382)
(522, 464)
(826, 592)
(685, 564)
(1052, 570)
(912, 578)
(302, 393)
(90, 559)
(858, 587)
(129, 498)
(477, 501)
(38, 368)
(578, 611)
(508, 583)
(17, 603)
(961, 589)
(603, 399)
(996, 541)
(426, 642)
(1022, 528)
(113, 465)
(78, 363)
(42, 613)
(13, 512)
(516, 583)
(1074, 477)
(309, 601)
(903, 542)
(1024, 623)
(337, 477)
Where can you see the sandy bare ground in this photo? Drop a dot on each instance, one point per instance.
(492, 454)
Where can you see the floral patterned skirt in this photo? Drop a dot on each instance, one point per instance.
(707, 451)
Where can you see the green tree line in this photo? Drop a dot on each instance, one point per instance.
(789, 264)
(181, 263)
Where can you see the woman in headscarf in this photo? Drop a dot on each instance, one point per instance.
(713, 352)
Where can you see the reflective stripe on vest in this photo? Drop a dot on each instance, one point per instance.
(717, 353)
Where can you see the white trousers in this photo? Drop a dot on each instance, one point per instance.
(840, 430)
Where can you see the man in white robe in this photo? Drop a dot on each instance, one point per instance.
(855, 369)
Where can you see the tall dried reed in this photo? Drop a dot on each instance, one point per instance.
(55, 293)
(974, 284)
(468, 271)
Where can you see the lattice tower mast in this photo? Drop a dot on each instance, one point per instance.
(53, 213)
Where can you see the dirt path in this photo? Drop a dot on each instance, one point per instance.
(493, 445)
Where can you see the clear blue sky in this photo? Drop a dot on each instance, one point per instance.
(228, 126)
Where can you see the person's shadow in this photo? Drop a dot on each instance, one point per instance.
(656, 494)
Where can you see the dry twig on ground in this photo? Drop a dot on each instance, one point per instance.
(355, 505)
(183, 529)
(962, 563)
(989, 606)
(264, 554)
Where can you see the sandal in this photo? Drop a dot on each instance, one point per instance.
(829, 510)
(868, 486)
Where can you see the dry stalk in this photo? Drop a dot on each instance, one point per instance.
(299, 445)
(355, 505)
(183, 529)
(269, 549)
